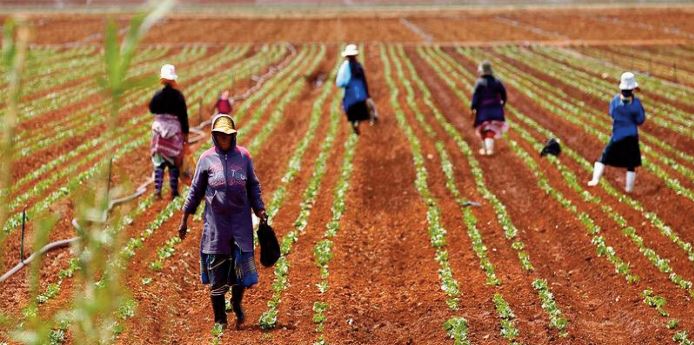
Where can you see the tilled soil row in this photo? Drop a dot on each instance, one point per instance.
(451, 25)
(579, 278)
(652, 239)
(476, 300)
(673, 73)
(382, 274)
(76, 81)
(136, 164)
(295, 319)
(155, 303)
(533, 322)
(662, 158)
(675, 139)
(12, 242)
(677, 103)
(142, 222)
(42, 155)
(85, 93)
(653, 60)
(636, 218)
(66, 158)
(652, 189)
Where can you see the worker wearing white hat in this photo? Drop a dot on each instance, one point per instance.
(350, 50)
(168, 72)
(623, 150)
(356, 101)
(169, 130)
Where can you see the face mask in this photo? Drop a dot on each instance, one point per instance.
(627, 93)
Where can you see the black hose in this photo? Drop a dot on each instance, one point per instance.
(142, 189)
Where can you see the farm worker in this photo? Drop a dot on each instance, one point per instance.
(488, 101)
(356, 101)
(225, 178)
(224, 104)
(169, 130)
(623, 148)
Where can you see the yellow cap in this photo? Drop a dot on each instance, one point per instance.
(224, 124)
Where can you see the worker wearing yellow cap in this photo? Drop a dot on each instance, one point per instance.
(226, 179)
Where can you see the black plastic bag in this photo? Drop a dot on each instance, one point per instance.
(269, 246)
(552, 147)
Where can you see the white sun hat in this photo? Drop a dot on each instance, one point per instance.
(350, 50)
(168, 72)
(628, 81)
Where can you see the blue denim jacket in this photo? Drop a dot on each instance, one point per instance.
(626, 117)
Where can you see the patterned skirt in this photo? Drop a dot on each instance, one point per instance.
(167, 138)
(498, 127)
(221, 270)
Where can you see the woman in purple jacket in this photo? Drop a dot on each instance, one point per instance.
(623, 149)
(225, 178)
(488, 100)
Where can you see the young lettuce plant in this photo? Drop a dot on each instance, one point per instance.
(99, 293)
(14, 51)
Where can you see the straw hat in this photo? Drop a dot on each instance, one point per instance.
(350, 50)
(168, 72)
(628, 81)
(223, 123)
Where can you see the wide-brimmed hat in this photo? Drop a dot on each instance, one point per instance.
(223, 123)
(168, 72)
(628, 81)
(485, 68)
(350, 50)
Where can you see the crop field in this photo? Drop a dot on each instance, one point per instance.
(379, 242)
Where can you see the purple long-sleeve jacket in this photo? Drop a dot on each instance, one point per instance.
(231, 188)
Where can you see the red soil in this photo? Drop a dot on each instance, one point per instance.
(384, 286)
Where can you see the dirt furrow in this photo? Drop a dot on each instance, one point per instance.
(577, 276)
(153, 298)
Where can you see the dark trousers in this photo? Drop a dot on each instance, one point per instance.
(220, 269)
(222, 276)
(159, 176)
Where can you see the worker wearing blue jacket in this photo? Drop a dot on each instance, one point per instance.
(357, 100)
(623, 149)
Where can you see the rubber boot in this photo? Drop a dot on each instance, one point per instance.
(355, 127)
(220, 315)
(489, 146)
(236, 300)
(631, 179)
(598, 169)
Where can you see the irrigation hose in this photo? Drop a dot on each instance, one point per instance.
(199, 135)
